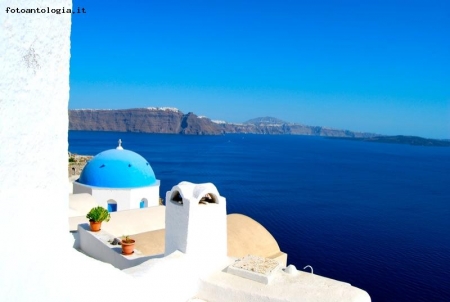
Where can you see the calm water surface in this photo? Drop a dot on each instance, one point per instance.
(371, 214)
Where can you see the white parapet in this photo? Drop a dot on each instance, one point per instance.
(98, 245)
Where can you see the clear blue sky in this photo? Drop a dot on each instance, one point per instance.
(380, 67)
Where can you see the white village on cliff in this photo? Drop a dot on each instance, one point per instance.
(186, 250)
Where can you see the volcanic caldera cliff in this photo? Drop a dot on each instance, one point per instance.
(171, 120)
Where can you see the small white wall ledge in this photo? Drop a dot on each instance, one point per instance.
(284, 287)
(97, 245)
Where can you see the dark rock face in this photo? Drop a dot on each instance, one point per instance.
(173, 121)
(289, 128)
(192, 124)
(141, 120)
(127, 120)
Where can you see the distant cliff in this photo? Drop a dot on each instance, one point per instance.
(271, 125)
(149, 120)
(171, 120)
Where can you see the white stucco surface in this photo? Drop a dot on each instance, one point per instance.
(194, 228)
(34, 95)
(98, 245)
(302, 287)
(151, 193)
(177, 275)
(126, 199)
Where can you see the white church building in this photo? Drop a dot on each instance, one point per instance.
(119, 179)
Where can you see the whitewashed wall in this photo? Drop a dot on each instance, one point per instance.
(126, 199)
(151, 193)
(197, 230)
(121, 197)
(96, 245)
(34, 95)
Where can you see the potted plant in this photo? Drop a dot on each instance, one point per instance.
(127, 245)
(96, 216)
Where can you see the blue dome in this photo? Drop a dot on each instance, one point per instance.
(117, 168)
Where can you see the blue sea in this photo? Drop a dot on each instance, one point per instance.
(371, 214)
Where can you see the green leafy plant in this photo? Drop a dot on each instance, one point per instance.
(98, 214)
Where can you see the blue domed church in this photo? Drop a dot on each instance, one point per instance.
(119, 180)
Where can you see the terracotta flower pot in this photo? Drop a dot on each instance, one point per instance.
(95, 225)
(128, 247)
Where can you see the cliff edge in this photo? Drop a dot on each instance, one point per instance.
(173, 121)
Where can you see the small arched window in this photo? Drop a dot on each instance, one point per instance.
(177, 198)
(143, 203)
(112, 205)
(208, 198)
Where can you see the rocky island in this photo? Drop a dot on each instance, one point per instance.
(167, 120)
(173, 121)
